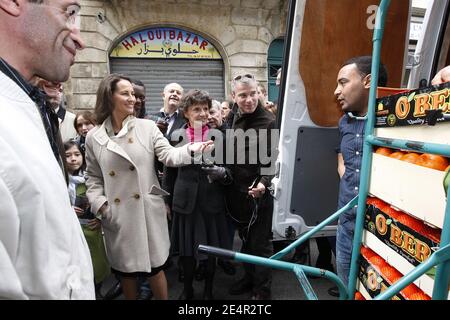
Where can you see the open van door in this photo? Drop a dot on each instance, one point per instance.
(432, 52)
(321, 35)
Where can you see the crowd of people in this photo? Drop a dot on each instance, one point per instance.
(126, 189)
(116, 190)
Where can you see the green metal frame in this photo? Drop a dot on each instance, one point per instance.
(440, 258)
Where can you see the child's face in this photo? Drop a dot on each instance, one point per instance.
(74, 159)
(83, 126)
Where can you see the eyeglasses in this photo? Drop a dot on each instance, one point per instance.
(239, 77)
(72, 13)
(53, 85)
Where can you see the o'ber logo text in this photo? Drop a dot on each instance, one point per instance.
(418, 104)
(402, 239)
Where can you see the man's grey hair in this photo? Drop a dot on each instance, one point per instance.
(216, 104)
(243, 80)
(172, 83)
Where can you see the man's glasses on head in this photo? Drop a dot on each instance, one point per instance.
(248, 76)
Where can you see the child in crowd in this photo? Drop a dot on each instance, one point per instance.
(90, 225)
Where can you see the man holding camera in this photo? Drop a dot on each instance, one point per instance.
(248, 199)
(169, 119)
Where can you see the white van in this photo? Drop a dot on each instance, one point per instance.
(321, 35)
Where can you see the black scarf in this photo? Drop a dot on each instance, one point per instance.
(48, 115)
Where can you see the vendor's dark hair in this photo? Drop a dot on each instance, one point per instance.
(364, 66)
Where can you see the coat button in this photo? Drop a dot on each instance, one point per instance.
(112, 173)
(132, 168)
(130, 140)
(117, 200)
(137, 196)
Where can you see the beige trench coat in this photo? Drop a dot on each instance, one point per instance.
(121, 171)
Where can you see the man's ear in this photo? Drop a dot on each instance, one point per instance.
(367, 80)
(12, 7)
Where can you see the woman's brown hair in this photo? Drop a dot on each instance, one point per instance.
(104, 104)
(88, 115)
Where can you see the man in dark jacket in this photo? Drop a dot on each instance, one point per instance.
(249, 202)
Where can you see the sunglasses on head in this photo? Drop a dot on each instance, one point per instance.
(249, 76)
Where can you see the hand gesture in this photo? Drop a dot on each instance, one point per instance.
(257, 192)
(200, 147)
(442, 76)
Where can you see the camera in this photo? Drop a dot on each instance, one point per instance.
(157, 119)
(83, 203)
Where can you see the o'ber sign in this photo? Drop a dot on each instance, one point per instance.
(165, 43)
(417, 107)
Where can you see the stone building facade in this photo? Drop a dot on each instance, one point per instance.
(240, 30)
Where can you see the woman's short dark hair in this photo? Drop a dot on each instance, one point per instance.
(195, 96)
(87, 115)
(364, 66)
(104, 104)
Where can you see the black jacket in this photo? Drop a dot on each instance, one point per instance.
(244, 172)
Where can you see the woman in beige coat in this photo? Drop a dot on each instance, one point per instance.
(123, 188)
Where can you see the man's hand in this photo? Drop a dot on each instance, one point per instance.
(94, 224)
(78, 211)
(442, 76)
(214, 173)
(162, 126)
(257, 192)
(200, 147)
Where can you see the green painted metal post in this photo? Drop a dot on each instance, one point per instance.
(442, 277)
(367, 148)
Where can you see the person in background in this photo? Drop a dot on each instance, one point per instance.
(54, 92)
(278, 80)
(272, 107)
(123, 188)
(263, 97)
(248, 202)
(198, 203)
(91, 226)
(83, 123)
(171, 118)
(44, 253)
(226, 107)
(216, 121)
(352, 94)
(139, 93)
(145, 293)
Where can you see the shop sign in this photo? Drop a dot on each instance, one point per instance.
(165, 43)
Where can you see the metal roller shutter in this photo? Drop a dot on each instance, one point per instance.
(156, 73)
